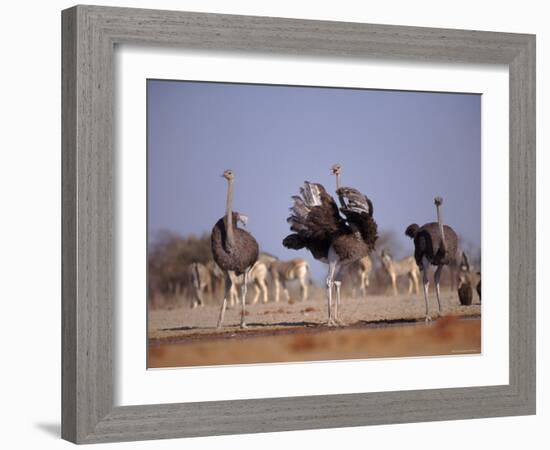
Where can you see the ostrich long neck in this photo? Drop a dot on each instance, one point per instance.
(229, 214)
(342, 204)
(441, 230)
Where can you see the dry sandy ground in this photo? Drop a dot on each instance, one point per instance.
(378, 326)
(183, 323)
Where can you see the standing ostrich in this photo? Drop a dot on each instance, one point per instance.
(363, 265)
(435, 244)
(331, 238)
(234, 249)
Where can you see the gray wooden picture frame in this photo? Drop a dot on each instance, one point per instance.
(89, 35)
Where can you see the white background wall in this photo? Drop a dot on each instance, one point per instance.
(30, 263)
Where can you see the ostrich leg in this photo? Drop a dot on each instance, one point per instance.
(437, 276)
(228, 287)
(336, 318)
(243, 297)
(330, 282)
(426, 283)
(337, 284)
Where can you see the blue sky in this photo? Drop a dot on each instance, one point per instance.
(399, 148)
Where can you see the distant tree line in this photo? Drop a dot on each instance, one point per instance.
(170, 256)
(168, 260)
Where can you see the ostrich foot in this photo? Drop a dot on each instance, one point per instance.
(428, 320)
(244, 325)
(332, 323)
(340, 322)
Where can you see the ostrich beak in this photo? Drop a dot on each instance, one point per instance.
(243, 219)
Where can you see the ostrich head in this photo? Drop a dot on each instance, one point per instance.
(228, 175)
(242, 218)
(438, 201)
(411, 230)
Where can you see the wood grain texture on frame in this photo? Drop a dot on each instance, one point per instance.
(89, 34)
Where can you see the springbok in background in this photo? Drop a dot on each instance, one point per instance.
(406, 266)
(258, 276)
(359, 273)
(201, 280)
(284, 271)
(467, 280)
(364, 269)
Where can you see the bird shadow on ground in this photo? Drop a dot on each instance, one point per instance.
(389, 322)
(51, 428)
(255, 324)
(182, 328)
(286, 324)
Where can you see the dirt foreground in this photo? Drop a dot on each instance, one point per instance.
(378, 326)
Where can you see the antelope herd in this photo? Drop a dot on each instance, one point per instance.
(207, 277)
(342, 235)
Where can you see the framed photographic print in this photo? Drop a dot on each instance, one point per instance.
(304, 209)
